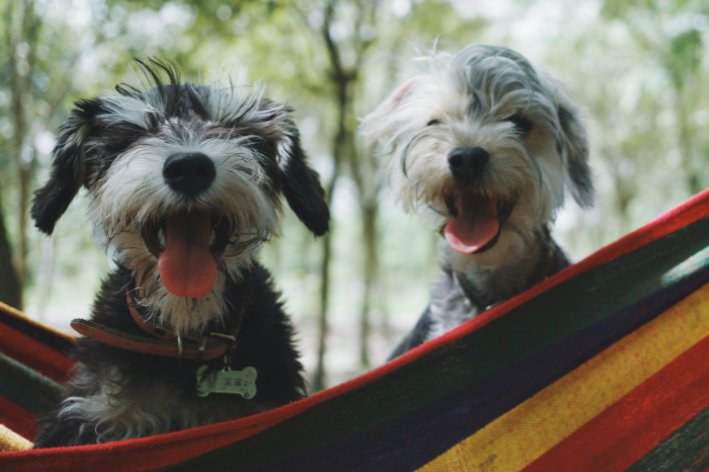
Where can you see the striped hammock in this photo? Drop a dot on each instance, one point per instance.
(602, 368)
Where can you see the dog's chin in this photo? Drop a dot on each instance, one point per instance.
(475, 220)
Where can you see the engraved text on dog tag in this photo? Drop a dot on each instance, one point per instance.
(242, 382)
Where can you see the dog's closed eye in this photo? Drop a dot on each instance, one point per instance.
(522, 125)
(434, 122)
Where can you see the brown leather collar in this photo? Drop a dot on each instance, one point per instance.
(147, 326)
(167, 344)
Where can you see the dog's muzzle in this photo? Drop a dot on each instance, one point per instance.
(467, 164)
(477, 217)
(189, 173)
(192, 238)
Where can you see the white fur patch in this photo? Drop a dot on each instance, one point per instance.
(117, 413)
(117, 417)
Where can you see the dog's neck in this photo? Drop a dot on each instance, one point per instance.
(491, 285)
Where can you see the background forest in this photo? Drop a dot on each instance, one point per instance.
(638, 68)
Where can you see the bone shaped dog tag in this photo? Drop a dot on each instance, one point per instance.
(242, 382)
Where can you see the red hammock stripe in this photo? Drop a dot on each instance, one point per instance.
(35, 325)
(34, 354)
(17, 419)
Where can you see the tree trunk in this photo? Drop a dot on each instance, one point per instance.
(10, 288)
(344, 78)
(45, 277)
(371, 271)
(686, 138)
(339, 149)
(22, 40)
(318, 382)
(364, 173)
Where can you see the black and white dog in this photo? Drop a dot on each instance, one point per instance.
(184, 185)
(486, 148)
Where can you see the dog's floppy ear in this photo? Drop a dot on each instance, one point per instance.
(301, 184)
(573, 143)
(378, 124)
(67, 175)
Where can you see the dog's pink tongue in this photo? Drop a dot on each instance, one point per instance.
(186, 266)
(475, 225)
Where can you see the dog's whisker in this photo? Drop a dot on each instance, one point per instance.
(432, 208)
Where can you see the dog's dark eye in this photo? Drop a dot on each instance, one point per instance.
(434, 122)
(522, 125)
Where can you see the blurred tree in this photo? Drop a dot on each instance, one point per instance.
(37, 67)
(10, 288)
(682, 59)
(671, 34)
(21, 38)
(346, 51)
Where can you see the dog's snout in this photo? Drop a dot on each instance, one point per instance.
(466, 163)
(189, 173)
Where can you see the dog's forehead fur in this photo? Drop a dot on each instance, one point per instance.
(217, 106)
(181, 115)
(485, 85)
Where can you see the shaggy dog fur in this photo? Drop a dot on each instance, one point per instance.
(486, 148)
(165, 162)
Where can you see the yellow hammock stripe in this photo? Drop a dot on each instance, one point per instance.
(11, 441)
(8, 309)
(524, 433)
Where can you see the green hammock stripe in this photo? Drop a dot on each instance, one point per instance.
(27, 388)
(586, 299)
(686, 450)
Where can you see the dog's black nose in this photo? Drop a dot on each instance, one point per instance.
(466, 163)
(189, 172)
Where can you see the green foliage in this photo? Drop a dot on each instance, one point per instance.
(684, 56)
